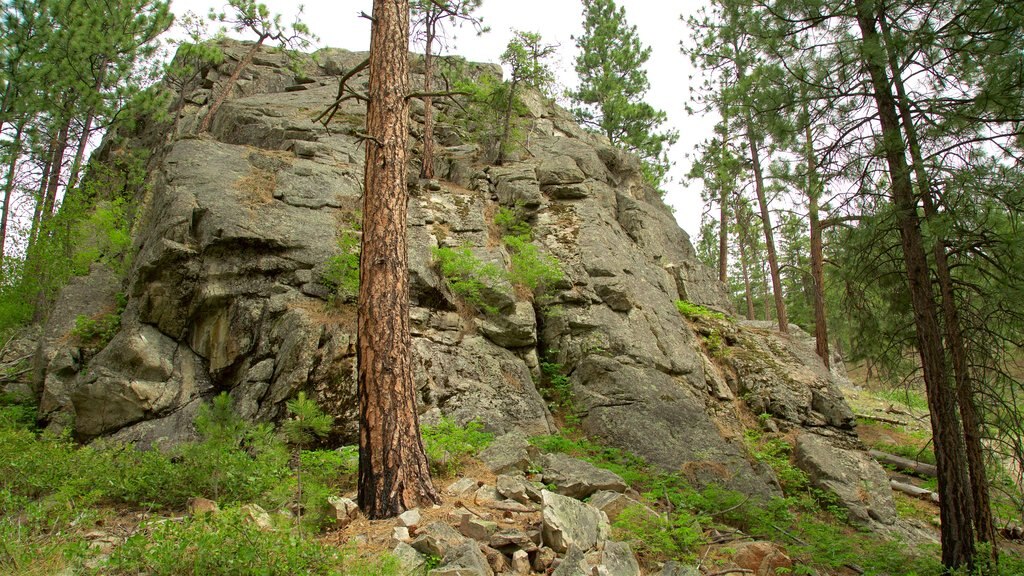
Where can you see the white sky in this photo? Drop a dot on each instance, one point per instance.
(658, 23)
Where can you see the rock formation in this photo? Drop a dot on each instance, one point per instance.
(226, 290)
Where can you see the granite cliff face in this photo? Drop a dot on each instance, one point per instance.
(225, 291)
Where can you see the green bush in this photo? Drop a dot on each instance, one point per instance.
(95, 332)
(531, 268)
(448, 445)
(467, 276)
(342, 271)
(652, 536)
(512, 222)
(556, 387)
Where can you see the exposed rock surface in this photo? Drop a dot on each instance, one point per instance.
(227, 290)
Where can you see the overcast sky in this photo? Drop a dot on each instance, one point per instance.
(338, 24)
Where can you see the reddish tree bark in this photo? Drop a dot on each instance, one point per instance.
(393, 471)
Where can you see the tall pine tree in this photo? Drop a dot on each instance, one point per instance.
(613, 83)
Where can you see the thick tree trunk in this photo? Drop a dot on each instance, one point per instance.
(393, 471)
(12, 167)
(956, 533)
(427, 166)
(766, 224)
(984, 524)
(225, 90)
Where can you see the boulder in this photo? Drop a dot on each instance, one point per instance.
(464, 559)
(568, 522)
(857, 480)
(519, 489)
(578, 478)
(436, 539)
(508, 453)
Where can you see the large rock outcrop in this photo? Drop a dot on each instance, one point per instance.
(227, 289)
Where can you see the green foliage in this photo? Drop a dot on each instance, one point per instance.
(776, 453)
(342, 270)
(696, 312)
(448, 445)
(467, 276)
(228, 544)
(530, 268)
(306, 423)
(655, 537)
(525, 55)
(905, 396)
(95, 332)
(556, 387)
(613, 83)
(512, 222)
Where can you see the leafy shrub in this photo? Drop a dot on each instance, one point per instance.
(653, 536)
(556, 387)
(512, 222)
(467, 276)
(531, 268)
(448, 445)
(342, 270)
(95, 332)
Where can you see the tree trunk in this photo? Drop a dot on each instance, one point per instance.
(506, 129)
(393, 471)
(44, 182)
(744, 231)
(984, 524)
(817, 256)
(83, 141)
(723, 205)
(56, 165)
(9, 186)
(956, 533)
(766, 223)
(230, 84)
(427, 165)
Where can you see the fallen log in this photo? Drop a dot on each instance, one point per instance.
(882, 419)
(914, 491)
(904, 463)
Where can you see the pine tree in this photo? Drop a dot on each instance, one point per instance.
(393, 471)
(613, 83)
(306, 423)
(429, 17)
(526, 55)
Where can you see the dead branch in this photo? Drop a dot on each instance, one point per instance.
(914, 491)
(904, 463)
(344, 93)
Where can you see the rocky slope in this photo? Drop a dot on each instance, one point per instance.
(225, 292)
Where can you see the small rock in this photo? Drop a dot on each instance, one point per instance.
(410, 518)
(487, 493)
(518, 488)
(477, 528)
(544, 558)
(258, 516)
(410, 561)
(343, 509)
(613, 503)
(496, 560)
(399, 534)
(466, 559)
(761, 557)
(512, 539)
(436, 538)
(199, 506)
(574, 564)
(463, 487)
(521, 562)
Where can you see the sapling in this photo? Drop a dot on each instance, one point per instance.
(307, 422)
